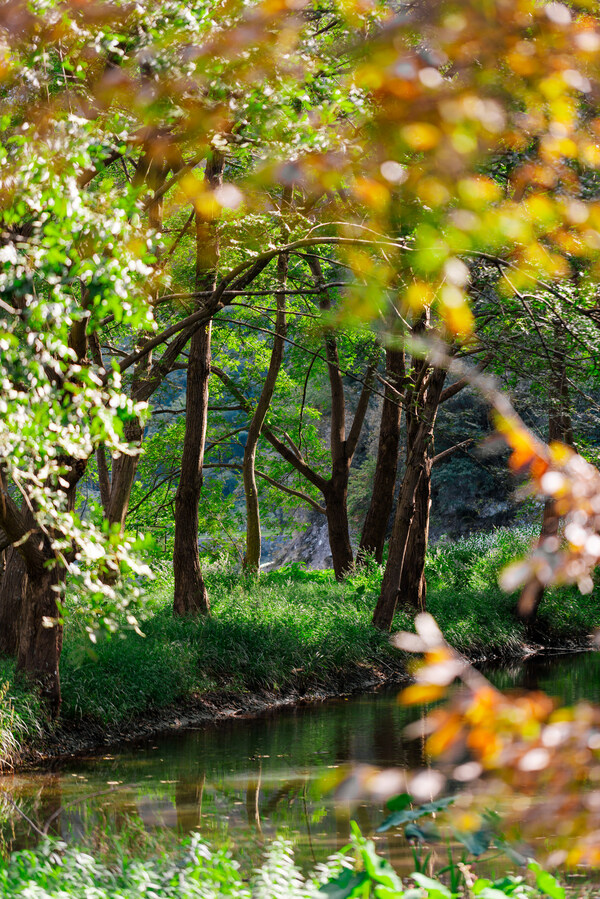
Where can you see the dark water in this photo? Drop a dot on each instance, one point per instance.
(247, 780)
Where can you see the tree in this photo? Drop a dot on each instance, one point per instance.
(253, 533)
(376, 522)
(191, 596)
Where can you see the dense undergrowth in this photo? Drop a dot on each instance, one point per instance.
(292, 631)
(56, 871)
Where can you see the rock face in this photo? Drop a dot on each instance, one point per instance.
(310, 548)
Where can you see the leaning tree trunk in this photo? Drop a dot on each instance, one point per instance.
(385, 608)
(374, 530)
(413, 584)
(123, 475)
(191, 596)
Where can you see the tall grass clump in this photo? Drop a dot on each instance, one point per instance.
(290, 631)
(21, 714)
(477, 617)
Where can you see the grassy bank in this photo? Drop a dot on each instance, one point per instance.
(294, 631)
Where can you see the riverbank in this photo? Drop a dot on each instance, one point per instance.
(294, 636)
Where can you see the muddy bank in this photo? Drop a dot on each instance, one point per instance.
(71, 738)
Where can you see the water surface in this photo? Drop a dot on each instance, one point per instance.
(248, 779)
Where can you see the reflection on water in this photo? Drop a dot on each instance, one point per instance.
(251, 779)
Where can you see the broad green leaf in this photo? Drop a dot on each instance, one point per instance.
(347, 885)
(546, 882)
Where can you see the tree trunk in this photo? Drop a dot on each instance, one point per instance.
(12, 597)
(560, 427)
(123, 475)
(336, 506)
(40, 639)
(253, 532)
(374, 530)
(103, 477)
(413, 585)
(533, 593)
(191, 596)
(383, 615)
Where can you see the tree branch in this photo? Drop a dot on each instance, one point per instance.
(277, 484)
(447, 453)
(361, 411)
(298, 462)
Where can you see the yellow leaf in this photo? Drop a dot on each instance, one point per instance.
(479, 192)
(443, 738)
(590, 155)
(455, 310)
(433, 192)
(371, 192)
(418, 295)
(421, 693)
(421, 136)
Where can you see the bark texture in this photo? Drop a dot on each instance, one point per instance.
(374, 530)
(191, 596)
(12, 597)
(413, 584)
(430, 391)
(40, 634)
(28, 596)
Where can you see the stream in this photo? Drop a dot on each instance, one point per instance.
(247, 780)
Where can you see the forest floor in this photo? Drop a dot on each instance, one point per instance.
(292, 636)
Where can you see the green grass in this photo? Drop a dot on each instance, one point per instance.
(292, 631)
(55, 871)
(288, 632)
(477, 617)
(21, 715)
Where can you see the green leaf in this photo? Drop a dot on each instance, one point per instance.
(434, 887)
(347, 885)
(399, 803)
(477, 842)
(546, 882)
(405, 815)
(425, 833)
(513, 854)
(378, 868)
(493, 893)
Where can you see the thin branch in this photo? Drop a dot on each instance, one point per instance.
(447, 453)
(277, 484)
